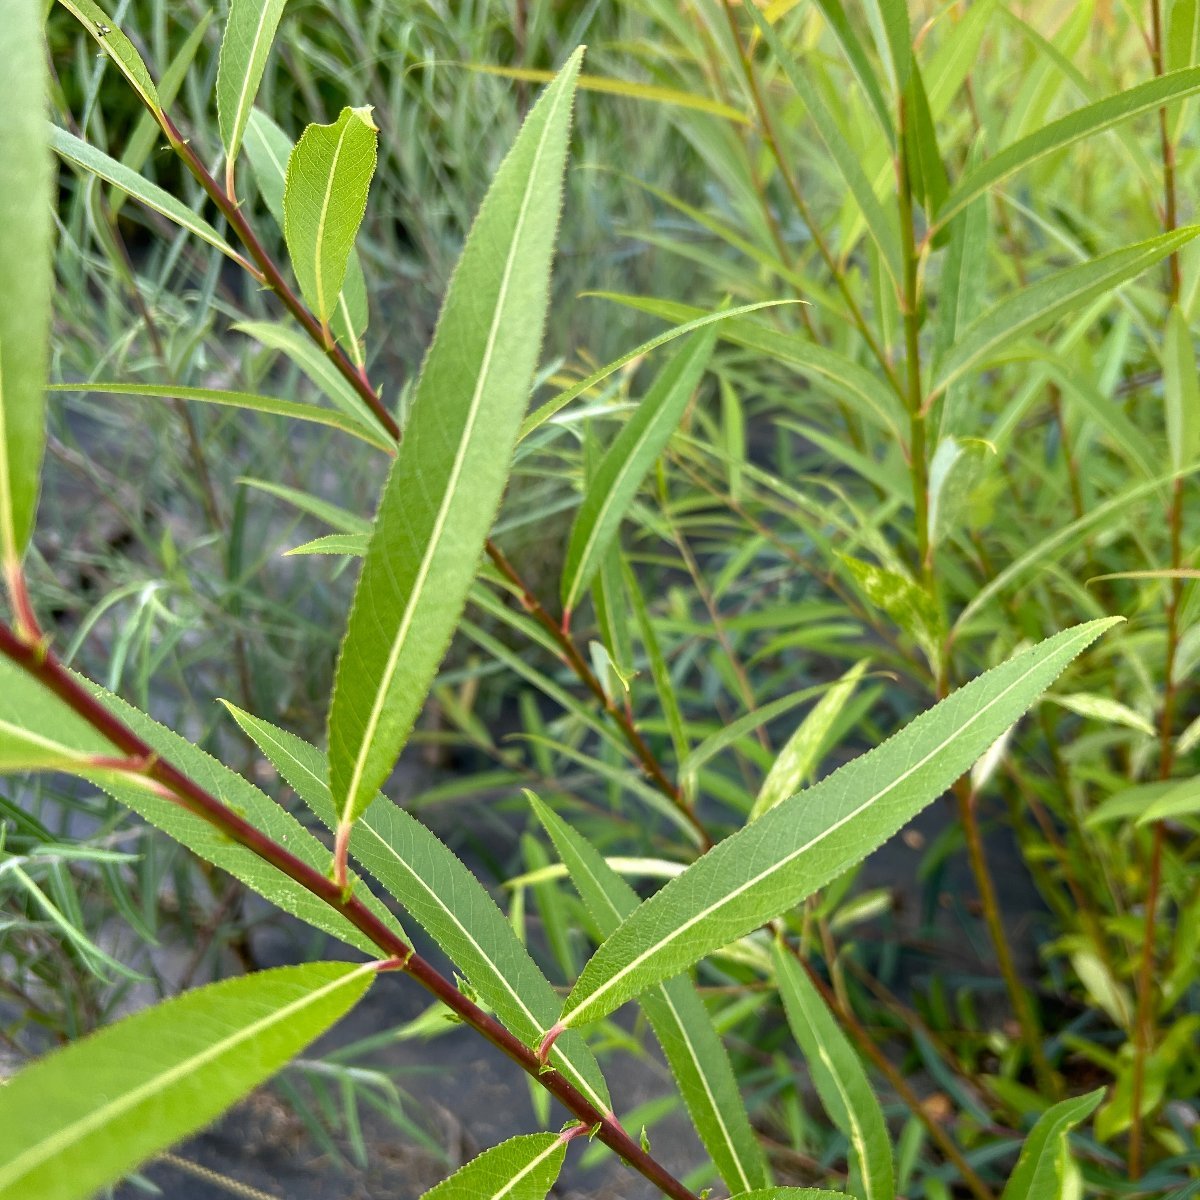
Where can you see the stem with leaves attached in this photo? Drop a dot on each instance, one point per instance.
(33, 657)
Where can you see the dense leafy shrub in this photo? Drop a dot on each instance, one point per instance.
(920, 426)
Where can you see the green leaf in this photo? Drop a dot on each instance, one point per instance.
(860, 64)
(1082, 123)
(249, 32)
(880, 222)
(789, 1193)
(30, 708)
(810, 839)
(324, 200)
(302, 351)
(628, 461)
(268, 148)
(888, 20)
(798, 759)
(684, 1029)
(545, 411)
(840, 375)
(26, 274)
(1104, 708)
(523, 1168)
(953, 473)
(444, 897)
(1181, 392)
(117, 46)
(927, 172)
(445, 486)
(1049, 298)
(352, 544)
(1039, 1170)
(840, 1080)
(70, 148)
(1179, 799)
(269, 405)
(86, 1115)
(342, 519)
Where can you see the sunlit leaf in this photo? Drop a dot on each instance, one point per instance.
(26, 275)
(523, 1168)
(446, 483)
(324, 199)
(87, 1114)
(810, 839)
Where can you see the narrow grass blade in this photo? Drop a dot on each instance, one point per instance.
(628, 460)
(652, 93)
(1082, 123)
(26, 275)
(324, 199)
(342, 519)
(80, 154)
(31, 709)
(86, 1115)
(249, 32)
(840, 1080)
(445, 898)
(117, 46)
(523, 1168)
(681, 1023)
(810, 839)
(444, 489)
(1039, 1171)
(1049, 298)
(269, 405)
(798, 758)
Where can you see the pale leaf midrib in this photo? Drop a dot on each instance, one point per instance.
(241, 111)
(390, 667)
(681, 1026)
(57, 1143)
(8, 532)
(729, 897)
(580, 1081)
(319, 237)
(526, 1170)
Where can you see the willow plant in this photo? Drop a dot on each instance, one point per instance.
(88, 1114)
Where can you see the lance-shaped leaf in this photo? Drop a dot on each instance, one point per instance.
(837, 1072)
(523, 1168)
(268, 148)
(445, 486)
(26, 277)
(1039, 1171)
(811, 838)
(450, 904)
(1082, 123)
(324, 200)
(67, 146)
(88, 1114)
(692, 1046)
(789, 1193)
(1049, 298)
(249, 33)
(621, 471)
(41, 719)
(798, 758)
(1181, 391)
(117, 46)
